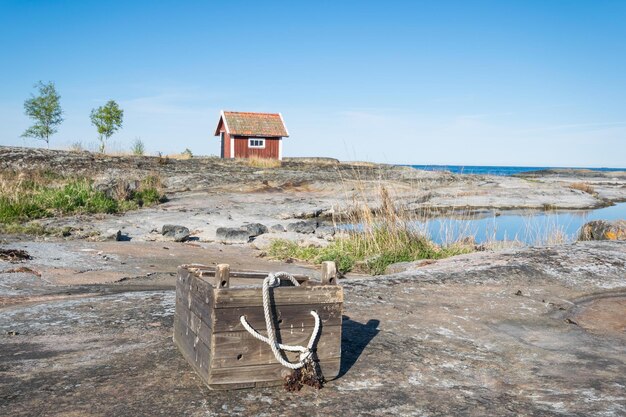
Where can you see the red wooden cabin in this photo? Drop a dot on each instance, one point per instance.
(244, 135)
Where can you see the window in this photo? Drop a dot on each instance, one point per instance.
(256, 143)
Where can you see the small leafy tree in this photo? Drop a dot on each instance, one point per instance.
(45, 110)
(108, 120)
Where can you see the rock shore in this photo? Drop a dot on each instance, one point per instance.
(413, 189)
(86, 324)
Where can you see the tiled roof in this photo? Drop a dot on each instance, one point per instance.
(254, 124)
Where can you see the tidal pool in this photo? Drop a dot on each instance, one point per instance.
(532, 227)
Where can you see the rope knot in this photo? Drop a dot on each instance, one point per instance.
(273, 280)
(304, 356)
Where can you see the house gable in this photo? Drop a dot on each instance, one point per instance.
(252, 124)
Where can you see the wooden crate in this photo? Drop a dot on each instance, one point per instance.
(208, 331)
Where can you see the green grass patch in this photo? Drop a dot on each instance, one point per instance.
(32, 228)
(369, 252)
(35, 202)
(41, 195)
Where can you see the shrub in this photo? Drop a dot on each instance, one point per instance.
(138, 147)
(187, 153)
(77, 147)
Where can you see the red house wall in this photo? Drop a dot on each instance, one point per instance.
(243, 151)
(226, 142)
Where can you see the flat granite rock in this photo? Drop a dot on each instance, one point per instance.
(533, 332)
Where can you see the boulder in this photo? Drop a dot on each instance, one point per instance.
(254, 229)
(232, 235)
(603, 230)
(178, 233)
(277, 228)
(308, 226)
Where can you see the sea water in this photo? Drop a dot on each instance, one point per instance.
(497, 170)
(529, 227)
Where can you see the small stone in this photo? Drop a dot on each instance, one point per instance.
(111, 235)
(255, 229)
(232, 235)
(277, 228)
(179, 233)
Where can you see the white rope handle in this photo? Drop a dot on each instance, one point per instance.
(273, 280)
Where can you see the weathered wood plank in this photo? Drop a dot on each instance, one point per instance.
(240, 349)
(197, 297)
(218, 387)
(209, 272)
(202, 287)
(329, 273)
(264, 373)
(195, 351)
(286, 317)
(195, 324)
(242, 297)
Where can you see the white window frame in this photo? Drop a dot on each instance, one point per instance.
(260, 146)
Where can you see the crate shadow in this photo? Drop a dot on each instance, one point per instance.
(355, 337)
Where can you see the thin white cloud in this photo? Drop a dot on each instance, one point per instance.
(592, 126)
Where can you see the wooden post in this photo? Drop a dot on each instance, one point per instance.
(222, 276)
(329, 273)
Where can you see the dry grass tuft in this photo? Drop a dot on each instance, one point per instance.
(77, 147)
(258, 162)
(186, 154)
(582, 186)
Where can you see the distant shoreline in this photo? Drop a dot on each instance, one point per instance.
(506, 170)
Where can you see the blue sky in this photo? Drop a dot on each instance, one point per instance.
(540, 83)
